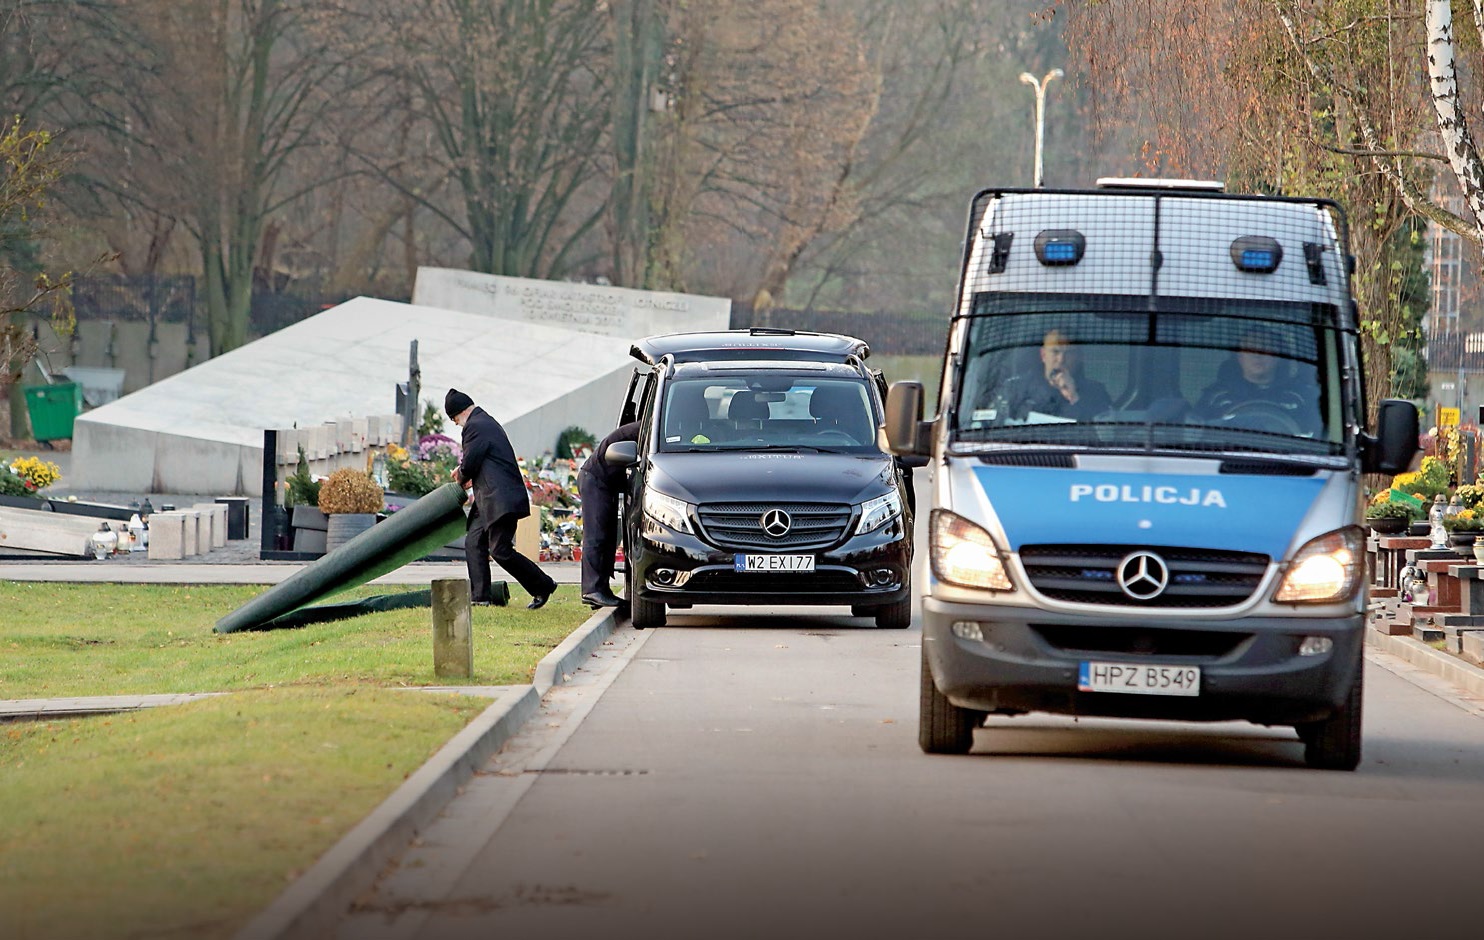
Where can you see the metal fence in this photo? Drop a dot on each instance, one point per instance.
(889, 334)
(177, 299)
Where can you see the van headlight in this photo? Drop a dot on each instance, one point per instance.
(965, 554)
(1326, 569)
(877, 512)
(668, 511)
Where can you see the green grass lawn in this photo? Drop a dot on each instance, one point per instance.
(91, 639)
(188, 820)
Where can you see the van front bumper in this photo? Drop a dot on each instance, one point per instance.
(680, 569)
(1251, 668)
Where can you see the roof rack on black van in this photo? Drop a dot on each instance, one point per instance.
(755, 343)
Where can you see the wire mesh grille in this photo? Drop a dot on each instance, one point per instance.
(1185, 321)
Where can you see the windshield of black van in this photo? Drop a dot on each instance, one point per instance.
(1101, 371)
(768, 412)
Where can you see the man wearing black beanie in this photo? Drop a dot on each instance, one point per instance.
(500, 501)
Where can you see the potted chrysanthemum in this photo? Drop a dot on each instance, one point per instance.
(351, 499)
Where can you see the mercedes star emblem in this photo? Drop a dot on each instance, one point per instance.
(1143, 575)
(776, 523)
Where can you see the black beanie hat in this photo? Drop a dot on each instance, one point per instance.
(456, 403)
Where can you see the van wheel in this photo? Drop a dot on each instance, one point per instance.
(896, 616)
(943, 727)
(1334, 744)
(645, 613)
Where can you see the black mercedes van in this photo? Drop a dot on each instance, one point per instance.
(760, 477)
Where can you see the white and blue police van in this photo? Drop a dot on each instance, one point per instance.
(1147, 466)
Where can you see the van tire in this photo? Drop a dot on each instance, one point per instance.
(943, 727)
(1334, 744)
(645, 613)
(896, 616)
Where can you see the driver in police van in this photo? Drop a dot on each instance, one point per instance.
(1258, 374)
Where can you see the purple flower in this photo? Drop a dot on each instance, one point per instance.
(439, 446)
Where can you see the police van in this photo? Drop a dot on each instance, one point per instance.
(1146, 466)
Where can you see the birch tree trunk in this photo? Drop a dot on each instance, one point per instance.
(1458, 142)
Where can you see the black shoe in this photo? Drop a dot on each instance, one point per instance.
(601, 599)
(538, 601)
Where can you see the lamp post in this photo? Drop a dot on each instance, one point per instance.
(1040, 86)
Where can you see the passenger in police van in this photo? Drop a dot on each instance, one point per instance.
(1059, 388)
(1257, 388)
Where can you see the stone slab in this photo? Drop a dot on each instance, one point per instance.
(1459, 620)
(610, 311)
(1426, 632)
(1453, 636)
(216, 513)
(32, 530)
(1472, 647)
(1394, 627)
(1402, 542)
(166, 536)
(190, 544)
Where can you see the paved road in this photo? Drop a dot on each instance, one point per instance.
(751, 776)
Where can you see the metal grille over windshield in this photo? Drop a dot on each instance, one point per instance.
(1155, 322)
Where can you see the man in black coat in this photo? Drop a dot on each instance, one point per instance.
(1058, 387)
(500, 501)
(598, 484)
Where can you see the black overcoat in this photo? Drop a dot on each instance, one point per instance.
(489, 461)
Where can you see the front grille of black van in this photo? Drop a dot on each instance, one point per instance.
(773, 582)
(1088, 574)
(739, 526)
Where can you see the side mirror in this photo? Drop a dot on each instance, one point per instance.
(623, 454)
(1395, 444)
(906, 433)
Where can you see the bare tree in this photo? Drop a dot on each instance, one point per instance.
(29, 168)
(509, 101)
(1239, 95)
(1325, 33)
(234, 94)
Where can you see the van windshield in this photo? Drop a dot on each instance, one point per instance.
(772, 412)
(1105, 371)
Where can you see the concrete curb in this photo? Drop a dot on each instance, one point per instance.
(1446, 666)
(317, 900)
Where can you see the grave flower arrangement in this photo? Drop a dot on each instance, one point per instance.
(350, 491)
(420, 473)
(1465, 521)
(27, 476)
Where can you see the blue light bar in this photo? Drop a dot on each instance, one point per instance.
(1060, 247)
(1257, 254)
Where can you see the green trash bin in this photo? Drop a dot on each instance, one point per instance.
(53, 408)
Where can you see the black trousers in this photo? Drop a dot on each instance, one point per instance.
(486, 539)
(599, 532)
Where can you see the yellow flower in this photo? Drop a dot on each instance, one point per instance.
(40, 473)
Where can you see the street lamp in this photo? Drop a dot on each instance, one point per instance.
(1040, 87)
